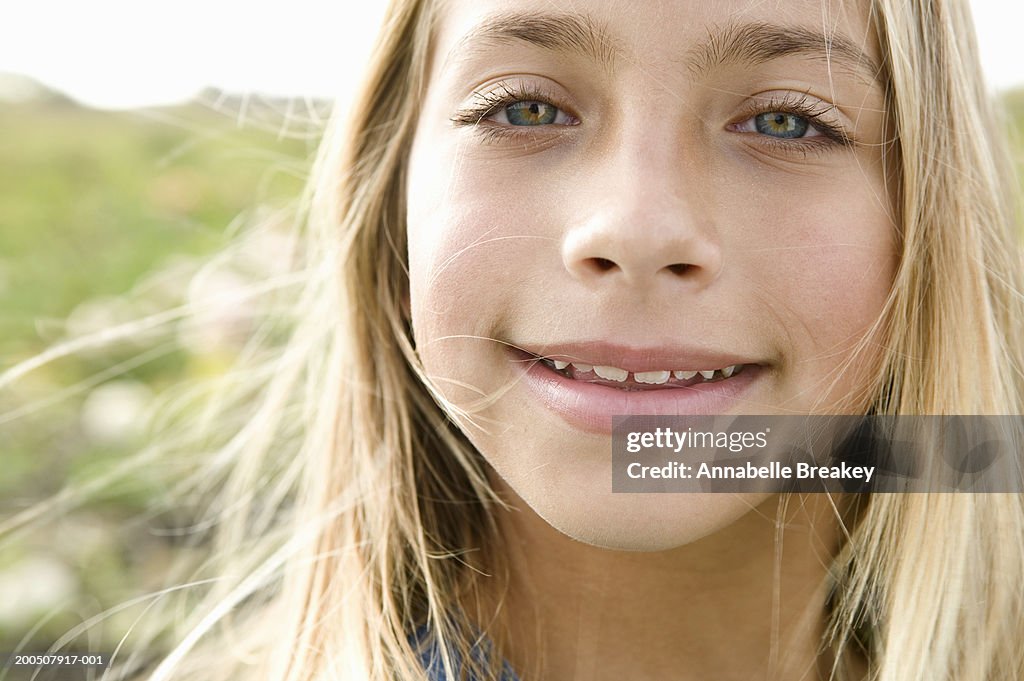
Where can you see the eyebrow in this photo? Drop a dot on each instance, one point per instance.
(757, 43)
(750, 43)
(567, 33)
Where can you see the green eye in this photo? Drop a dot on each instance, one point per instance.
(531, 113)
(793, 122)
(781, 124)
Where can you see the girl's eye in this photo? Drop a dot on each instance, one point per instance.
(531, 113)
(780, 124)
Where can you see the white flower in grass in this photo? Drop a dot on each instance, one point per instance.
(31, 588)
(115, 412)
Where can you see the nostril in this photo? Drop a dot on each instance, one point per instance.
(679, 268)
(603, 264)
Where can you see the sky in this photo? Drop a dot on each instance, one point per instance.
(126, 53)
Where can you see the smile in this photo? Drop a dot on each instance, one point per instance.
(639, 380)
(628, 381)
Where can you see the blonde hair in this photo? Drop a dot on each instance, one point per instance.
(936, 577)
(350, 512)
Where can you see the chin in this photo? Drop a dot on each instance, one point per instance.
(642, 522)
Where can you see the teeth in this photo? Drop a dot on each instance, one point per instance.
(648, 377)
(653, 377)
(611, 373)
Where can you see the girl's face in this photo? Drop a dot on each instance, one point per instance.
(646, 191)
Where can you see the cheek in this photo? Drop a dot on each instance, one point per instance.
(820, 267)
(475, 238)
(466, 238)
(844, 281)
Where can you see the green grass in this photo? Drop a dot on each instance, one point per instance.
(90, 201)
(90, 204)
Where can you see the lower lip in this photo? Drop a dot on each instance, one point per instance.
(591, 406)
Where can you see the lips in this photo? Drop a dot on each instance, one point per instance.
(588, 384)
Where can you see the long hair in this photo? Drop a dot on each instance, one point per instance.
(351, 513)
(934, 579)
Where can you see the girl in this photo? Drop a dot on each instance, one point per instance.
(543, 214)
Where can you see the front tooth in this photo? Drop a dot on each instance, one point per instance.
(684, 375)
(653, 377)
(582, 367)
(707, 374)
(559, 364)
(611, 373)
(727, 371)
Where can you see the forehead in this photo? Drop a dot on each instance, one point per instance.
(695, 34)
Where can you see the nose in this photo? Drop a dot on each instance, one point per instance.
(644, 221)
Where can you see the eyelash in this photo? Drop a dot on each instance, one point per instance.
(813, 111)
(489, 103)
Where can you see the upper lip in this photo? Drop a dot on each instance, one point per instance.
(634, 358)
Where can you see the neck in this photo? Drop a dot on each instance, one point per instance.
(747, 602)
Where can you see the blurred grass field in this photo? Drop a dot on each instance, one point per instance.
(99, 213)
(100, 210)
(105, 217)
